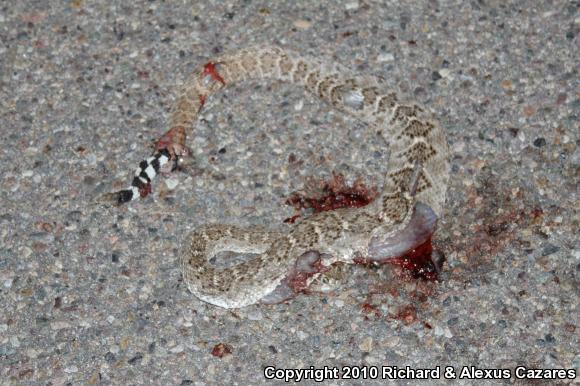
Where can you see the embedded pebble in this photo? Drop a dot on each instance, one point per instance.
(59, 325)
(177, 349)
(14, 341)
(255, 315)
(302, 24)
(352, 5)
(366, 345)
(299, 105)
(385, 57)
(445, 73)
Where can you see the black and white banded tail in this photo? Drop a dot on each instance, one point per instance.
(141, 184)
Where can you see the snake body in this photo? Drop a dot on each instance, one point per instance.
(403, 216)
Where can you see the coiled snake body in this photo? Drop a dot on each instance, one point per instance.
(403, 216)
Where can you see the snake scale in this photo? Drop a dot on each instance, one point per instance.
(402, 217)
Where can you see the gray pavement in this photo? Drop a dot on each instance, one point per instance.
(90, 295)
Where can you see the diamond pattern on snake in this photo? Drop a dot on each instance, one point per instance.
(403, 216)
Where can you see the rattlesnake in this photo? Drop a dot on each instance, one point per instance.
(403, 216)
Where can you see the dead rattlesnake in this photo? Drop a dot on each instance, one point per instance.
(403, 216)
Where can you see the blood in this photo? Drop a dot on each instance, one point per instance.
(407, 315)
(221, 349)
(211, 70)
(307, 265)
(336, 194)
(418, 262)
(175, 135)
(536, 212)
(371, 309)
(332, 195)
(291, 220)
(145, 190)
(298, 280)
(335, 201)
